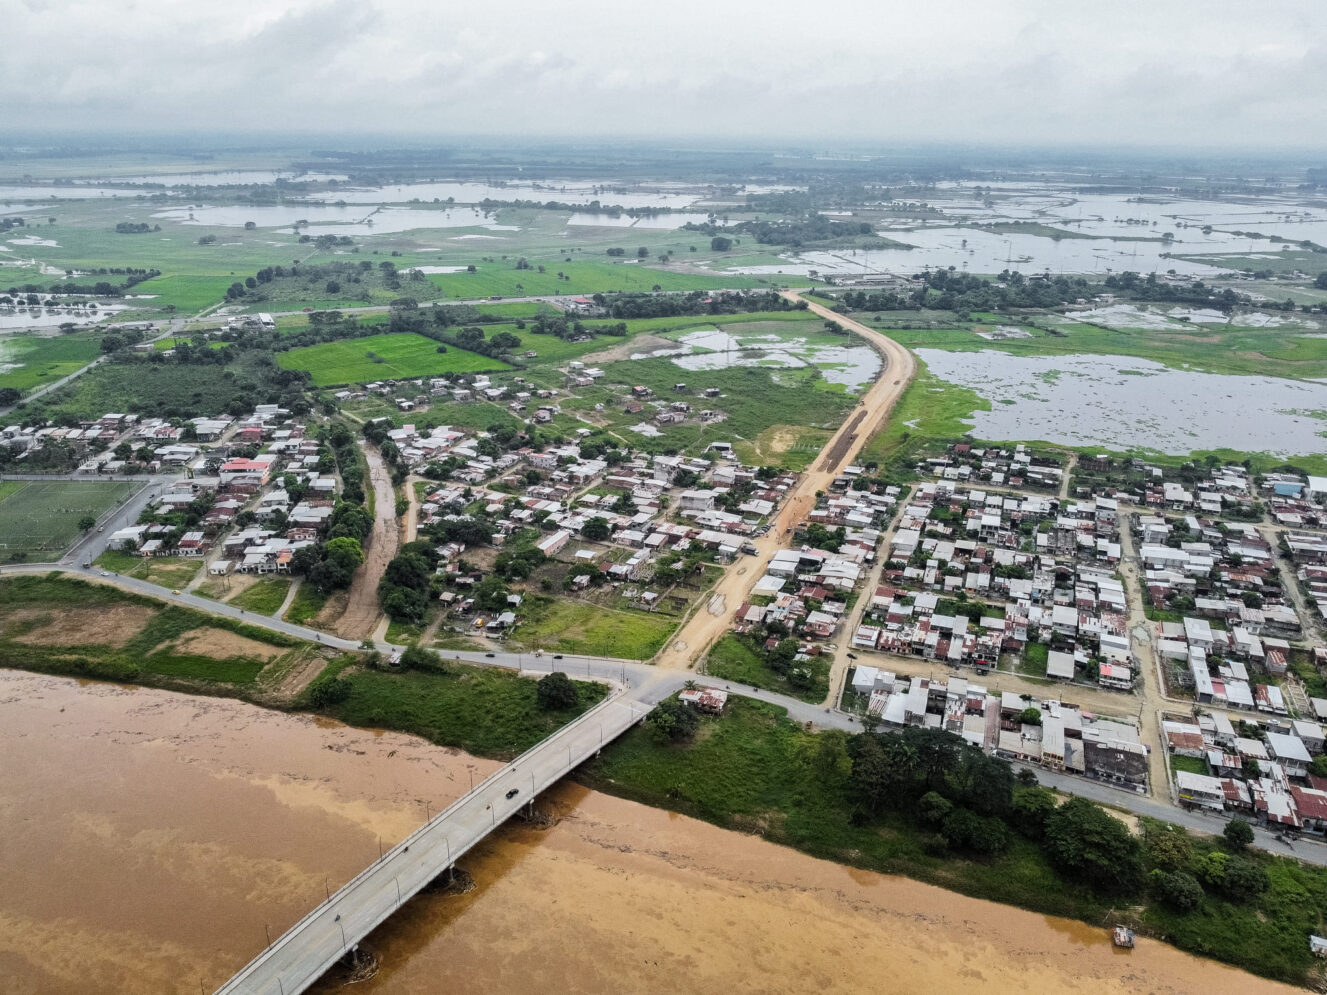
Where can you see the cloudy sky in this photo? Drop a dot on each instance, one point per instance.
(1171, 72)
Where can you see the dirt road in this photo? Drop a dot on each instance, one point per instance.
(361, 616)
(710, 623)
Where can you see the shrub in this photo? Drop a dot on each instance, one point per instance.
(328, 689)
(556, 691)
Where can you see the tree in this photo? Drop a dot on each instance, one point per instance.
(934, 807)
(1244, 879)
(345, 551)
(9, 396)
(1030, 716)
(1318, 765)
(1238, 834)
(556, 691)
(1321, 281)
(1168, 846)
(967, 830)
(672, 720)
(86, 523)
(597, 529)
(719, 243)
(328, 689)
(1179, 890)
(1032, 806)
(1083, 840)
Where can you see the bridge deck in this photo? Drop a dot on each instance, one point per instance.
(300, 956)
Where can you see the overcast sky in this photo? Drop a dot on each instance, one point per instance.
(1171, 72)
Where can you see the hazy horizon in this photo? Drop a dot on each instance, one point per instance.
(1146, 75)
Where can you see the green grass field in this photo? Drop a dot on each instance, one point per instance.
(562, 625)
(31, 361)
(401, 355)
(39, 519)
(263, 597)
(59, 622)
(308, 602)
(486, 711)
(731, 659)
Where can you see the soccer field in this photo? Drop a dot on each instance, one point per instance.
(39, 519)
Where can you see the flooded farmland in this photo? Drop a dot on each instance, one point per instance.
(852, 366)
(1123, 403)
(151, 836)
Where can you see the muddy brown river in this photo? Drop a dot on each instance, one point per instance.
(148, 838)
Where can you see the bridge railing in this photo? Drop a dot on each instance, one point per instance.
(350, 886)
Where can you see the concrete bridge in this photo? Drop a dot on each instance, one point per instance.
(304, 952)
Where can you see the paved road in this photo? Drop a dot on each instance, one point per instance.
(301, 955)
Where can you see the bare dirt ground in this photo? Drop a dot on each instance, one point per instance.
(361, 614)
(640, 343)
(111, 626)
(693, 640)
(298, 677)
(221, 644)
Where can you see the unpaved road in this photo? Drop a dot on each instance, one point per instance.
(692, 640)
(361, 616)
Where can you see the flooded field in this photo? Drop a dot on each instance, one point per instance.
(853, 366)
(327, 220)
(1178, 319)
(1121, 403)
(150, 837)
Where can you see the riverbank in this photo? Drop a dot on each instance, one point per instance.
(754, 771)
(617, 897)
(183, 826)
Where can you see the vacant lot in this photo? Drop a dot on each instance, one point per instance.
(66, 626)
(565, 626)
(39, 519)
(733, 659)
(31, 361)
(490, 712)
(382, 357)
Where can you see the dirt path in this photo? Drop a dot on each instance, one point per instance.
(362, 616)
(290, 597)
(705, 627)
(1152, 691)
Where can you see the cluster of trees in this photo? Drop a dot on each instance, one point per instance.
(810, 228)
(1149, 288)
(342, 442)
(407, 582)
(102, 288)
(471, 337)
(135, 228)
(695, 302)
(329, 566)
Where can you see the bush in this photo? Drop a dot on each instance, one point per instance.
(934, 808)
(966, 830)
(672, 720)
(556, 691)
(1179, 890)
(328, 689)
(1238, 834)
(421, 659)
(1083, 840)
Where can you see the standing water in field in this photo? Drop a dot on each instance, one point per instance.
(1127, 403)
